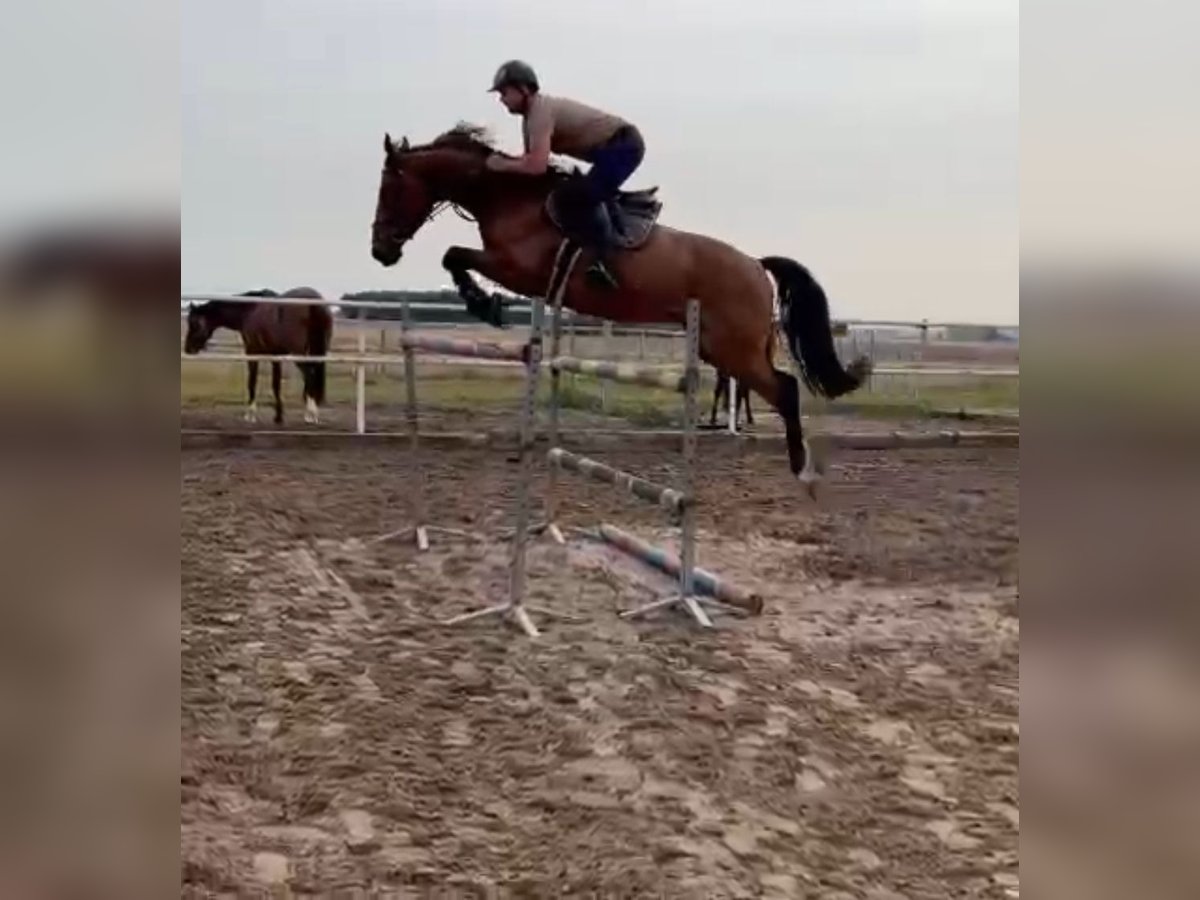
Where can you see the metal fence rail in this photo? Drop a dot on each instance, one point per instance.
(442, 350)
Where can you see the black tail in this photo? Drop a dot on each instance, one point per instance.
(320, 327)
(804, 313)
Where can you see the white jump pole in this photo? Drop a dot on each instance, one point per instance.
(414, 428)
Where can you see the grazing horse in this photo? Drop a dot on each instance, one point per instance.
(721, 399)
(270, 329)
(660, 270)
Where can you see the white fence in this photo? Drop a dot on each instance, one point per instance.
(849, 330)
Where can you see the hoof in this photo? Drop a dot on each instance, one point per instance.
(810, 480)
(250, 415)
(816, 463)
(817, 455)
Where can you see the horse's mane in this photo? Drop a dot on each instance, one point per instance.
(466, 136)
(478, 139)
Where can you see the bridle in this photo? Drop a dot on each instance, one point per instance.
(436, 210)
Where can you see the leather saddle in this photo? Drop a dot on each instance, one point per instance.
(633, 215)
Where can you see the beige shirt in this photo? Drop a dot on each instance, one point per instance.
(575, 129)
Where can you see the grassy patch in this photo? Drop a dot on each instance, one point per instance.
(457, 387)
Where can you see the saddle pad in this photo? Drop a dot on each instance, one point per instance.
(634, 215)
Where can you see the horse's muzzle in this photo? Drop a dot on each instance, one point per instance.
(387, 254)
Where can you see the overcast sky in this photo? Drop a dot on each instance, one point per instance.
(876, 142)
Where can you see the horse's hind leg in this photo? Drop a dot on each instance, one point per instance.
(744, 398)
(251, 414)
(807, 465)
(276, 384)
(782, 391)
(718, 391)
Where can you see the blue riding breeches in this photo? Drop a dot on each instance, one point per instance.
(612, 164)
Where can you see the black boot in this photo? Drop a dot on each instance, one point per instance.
(601, 233)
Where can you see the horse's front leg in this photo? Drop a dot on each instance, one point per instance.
(460, 262)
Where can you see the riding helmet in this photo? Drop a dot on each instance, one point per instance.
(515, 72)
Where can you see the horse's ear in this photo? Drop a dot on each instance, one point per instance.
(388, 147)
(404, 144)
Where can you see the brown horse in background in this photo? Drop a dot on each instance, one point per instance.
(657, 280)
(271, 329)
(721, 400)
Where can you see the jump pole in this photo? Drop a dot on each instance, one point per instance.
(555, 389)
(687, 592)
(564, 262)
(703, 582)
(678, 501)
(410, 342)
(414, 427)
(360, 381)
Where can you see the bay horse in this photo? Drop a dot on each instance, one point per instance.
(270, 329)
(668, 268)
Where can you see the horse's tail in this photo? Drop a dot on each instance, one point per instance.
(804, 315)
(320, 328)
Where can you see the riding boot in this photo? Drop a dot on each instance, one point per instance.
(601, 240)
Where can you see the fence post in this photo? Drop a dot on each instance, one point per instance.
(871, 356)
(555, 401)
(360, 373)
(733, 386)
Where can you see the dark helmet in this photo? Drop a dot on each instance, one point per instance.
(516, 73)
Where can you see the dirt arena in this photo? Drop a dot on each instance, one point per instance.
(858, 740)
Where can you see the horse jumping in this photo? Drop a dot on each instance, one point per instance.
(271, 329)
(659, 270)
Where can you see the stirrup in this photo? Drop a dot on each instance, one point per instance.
(601, 275)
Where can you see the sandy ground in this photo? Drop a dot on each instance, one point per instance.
(858, 740)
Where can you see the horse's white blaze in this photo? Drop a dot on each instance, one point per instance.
(251, 414)
(311, 413)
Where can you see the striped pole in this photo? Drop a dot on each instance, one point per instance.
(459, 347)
(688, 525)
(703, 582)
(669, 499)
(653, 376)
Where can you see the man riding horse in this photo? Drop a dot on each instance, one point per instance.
(521, 221)
(613, 146)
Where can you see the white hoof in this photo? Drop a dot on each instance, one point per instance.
(814, 469)
(311, 415)
(251, 413)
